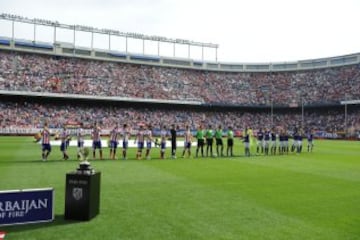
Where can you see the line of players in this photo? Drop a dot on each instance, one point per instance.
(266, 141)
(143, 136)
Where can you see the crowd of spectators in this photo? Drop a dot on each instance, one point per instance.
(33, 115)
(45, 73)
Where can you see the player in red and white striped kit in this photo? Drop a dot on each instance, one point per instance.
(114, 135)
(96, 138)
(140, 136)
(46, 147)
(149, 139)
(125, 134)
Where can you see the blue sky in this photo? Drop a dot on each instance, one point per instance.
(246, 30)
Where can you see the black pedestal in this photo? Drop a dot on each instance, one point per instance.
(82, 198)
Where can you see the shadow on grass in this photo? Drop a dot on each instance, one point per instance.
(77, 161)
(37, 161)
(58, 221)
(53, 161)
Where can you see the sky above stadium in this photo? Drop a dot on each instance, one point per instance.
(246, 30)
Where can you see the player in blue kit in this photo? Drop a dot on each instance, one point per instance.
(281, 142)
(310, 141)
(299, 141)
(64, 136)
(295, 140)
(286, 142)
(259, 143)
(273, 142)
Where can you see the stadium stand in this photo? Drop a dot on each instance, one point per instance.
(33, 115)
(54, 74)
(229, 98)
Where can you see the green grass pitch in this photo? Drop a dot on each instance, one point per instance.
(307, 196)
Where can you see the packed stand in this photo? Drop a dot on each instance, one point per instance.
(54, 74)
(33, 115)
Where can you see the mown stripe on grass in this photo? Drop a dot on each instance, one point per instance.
(305, 196)
(175, 207)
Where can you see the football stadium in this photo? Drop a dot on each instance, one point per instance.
(186, 149)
